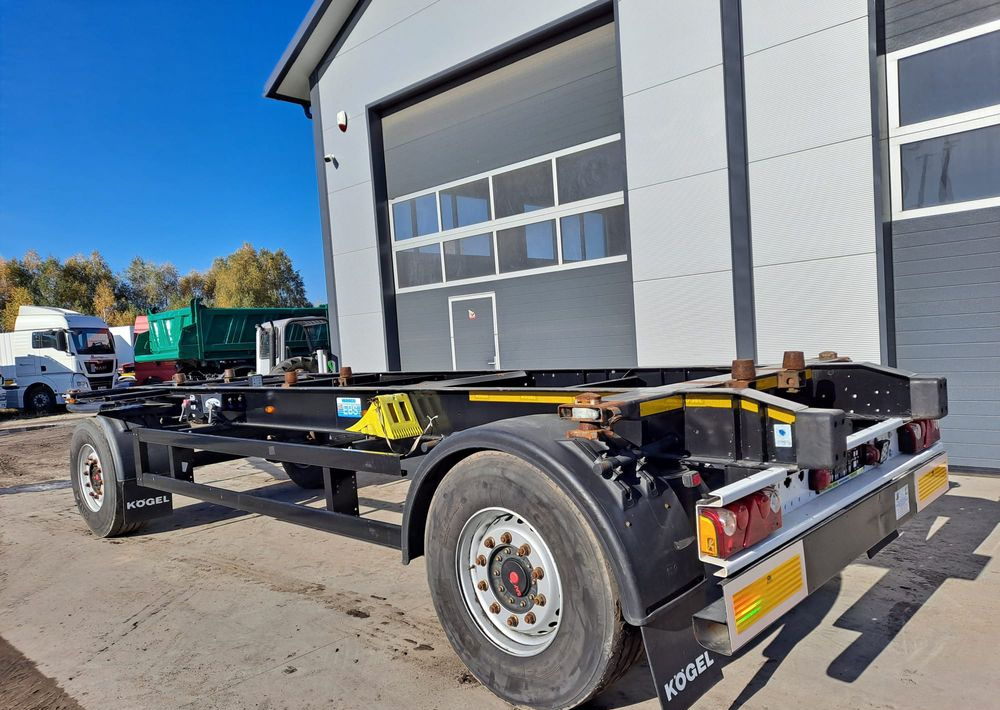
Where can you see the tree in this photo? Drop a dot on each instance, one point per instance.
(150, 287)
(18, 296)
(250, 278)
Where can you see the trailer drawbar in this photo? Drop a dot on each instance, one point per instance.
(571, 519)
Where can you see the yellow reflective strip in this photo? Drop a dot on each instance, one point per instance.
(753, 602)
(931, 482)
(780, 415)
(718, 401)
(655, 406)
(750, 405)
(522, 398)
(766, 383)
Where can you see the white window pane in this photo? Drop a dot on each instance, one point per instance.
(594, 235)
(465, 204)
(523, 190)
(591, 173)
(416, 217)
(956, 168)
(528, 247)
(419, 266)
(952, 79)
(469, 257)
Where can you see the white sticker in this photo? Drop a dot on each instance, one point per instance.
(902, 501)
(783, 436)
(349, 407)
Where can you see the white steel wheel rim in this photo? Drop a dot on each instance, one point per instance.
(538, 610)
(91, 476)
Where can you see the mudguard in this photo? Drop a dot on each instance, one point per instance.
(650, 542)
(140, 503)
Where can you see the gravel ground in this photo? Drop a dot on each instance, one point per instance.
(215, 609)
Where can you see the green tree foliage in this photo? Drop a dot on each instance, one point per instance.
(246, 278)
(251, 278)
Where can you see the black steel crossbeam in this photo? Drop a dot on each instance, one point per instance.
(307, 454)
(375, 531)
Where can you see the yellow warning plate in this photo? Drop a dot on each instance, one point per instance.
(931, 482)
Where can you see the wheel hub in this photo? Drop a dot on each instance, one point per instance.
(511, 589)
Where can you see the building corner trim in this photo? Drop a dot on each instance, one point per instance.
(744, 308)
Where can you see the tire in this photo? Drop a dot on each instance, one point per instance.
(40, 399)
(591, 646)
(104, 514)
(306, 363)
(309, 477)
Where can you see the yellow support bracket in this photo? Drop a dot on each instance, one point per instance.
(389, 416)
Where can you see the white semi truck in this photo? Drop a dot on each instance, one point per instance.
(53, 350)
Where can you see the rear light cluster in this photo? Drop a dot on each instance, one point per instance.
(725, 531)
(919, 435)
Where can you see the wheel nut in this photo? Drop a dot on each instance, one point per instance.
(511, 620)
(489, 543)
(496, 573)
(524, 604)
(494, 608)
(483, 586)
(540, 599)
(529, 618)
(481, 560)
(537, 573)
(524, 551)
(505, 538)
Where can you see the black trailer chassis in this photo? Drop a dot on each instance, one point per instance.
(540, 491)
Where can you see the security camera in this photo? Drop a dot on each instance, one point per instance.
(329, 158)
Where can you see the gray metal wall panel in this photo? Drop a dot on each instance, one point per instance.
(767, 23)
(560, 97)
(543, 320)
(910, 22)
(948, 321)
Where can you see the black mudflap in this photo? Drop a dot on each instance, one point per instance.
(682, 669)
(143, 503)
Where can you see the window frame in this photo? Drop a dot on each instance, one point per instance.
(932, 128)
(491, 227)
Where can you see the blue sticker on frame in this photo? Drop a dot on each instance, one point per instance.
(349, 407)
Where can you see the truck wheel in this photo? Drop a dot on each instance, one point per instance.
(40, 399)
(522, 586)
(96, 487)
(306, 476)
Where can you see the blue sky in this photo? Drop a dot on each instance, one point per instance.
(138, 127)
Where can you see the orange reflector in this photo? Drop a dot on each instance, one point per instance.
(707, 540)
(762, 594)
(270, 409)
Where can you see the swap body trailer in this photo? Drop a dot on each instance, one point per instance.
(570, 518)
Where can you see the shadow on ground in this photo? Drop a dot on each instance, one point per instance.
(934, 547)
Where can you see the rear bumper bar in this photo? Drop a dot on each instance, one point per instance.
(809, 557)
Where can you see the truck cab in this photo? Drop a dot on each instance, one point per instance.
(53, 350)
(303, 343)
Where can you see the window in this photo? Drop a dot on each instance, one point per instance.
(44, 339)
(469, 257)
(415, 217)
(593, 172)
(92, 341)
(466, 204)
(419, 266)
(529, 247)
(523, 190)
(952, 79)
(944, 123)
(562, 210)
(594, 235)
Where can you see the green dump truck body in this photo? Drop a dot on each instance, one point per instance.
(208, 335)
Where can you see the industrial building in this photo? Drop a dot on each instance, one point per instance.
(643, 182)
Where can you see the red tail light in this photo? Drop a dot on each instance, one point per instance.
(725, 531)
(919, 435)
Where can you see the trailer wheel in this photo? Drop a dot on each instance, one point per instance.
(96, 487)
(306, 476)
(522, 585)
(40, 399)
